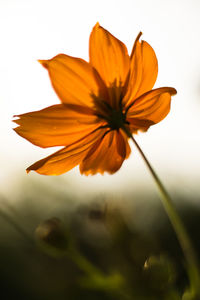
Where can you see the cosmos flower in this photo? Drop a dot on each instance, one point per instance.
(101, 100)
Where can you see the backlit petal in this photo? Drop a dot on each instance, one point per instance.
(74, 80)
(153, 106)
(66, 158)
(144, 70)
(109, 56)
(107, 155)
(136, 125)
(57, 125)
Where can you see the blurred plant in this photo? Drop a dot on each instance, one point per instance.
(94, 253)
(127, 277)
(160, 273)
(56, 241)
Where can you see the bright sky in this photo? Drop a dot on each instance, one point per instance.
(36, 29)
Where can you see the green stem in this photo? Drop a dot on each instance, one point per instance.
(181, 233)
(96, 279)
(84, 264)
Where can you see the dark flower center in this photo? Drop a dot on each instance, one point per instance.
(114, 114)
(116, 119)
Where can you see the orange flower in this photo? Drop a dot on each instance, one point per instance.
(99, 100)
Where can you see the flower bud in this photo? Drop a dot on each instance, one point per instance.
(51, 235)
(159, 272)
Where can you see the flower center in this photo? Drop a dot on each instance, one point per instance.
(114, 116)
(116, 119)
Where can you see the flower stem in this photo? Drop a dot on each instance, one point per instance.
(181, 233)
(113, 283)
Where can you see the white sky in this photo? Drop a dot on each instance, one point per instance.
(37, 29)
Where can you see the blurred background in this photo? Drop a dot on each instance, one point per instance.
(32, 30)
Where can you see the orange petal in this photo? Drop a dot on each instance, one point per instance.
(144, 70)
(109, 56)
(153, 106)
(66, 158)
(57, 125)
(136, 125)
(107, 155)
(74, 80)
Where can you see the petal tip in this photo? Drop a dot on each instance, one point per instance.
(44, 63)
(14, 120)
(136, 41)
(139, 35)
(174, 91)
(97, 25)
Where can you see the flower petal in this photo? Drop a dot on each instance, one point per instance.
(136, 125)
(144, 70)
(109, 56)
(57, 125)
(74, 80)
(67, 158)
(150, 108)
(107, 154)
